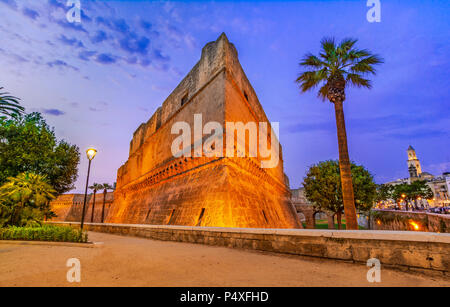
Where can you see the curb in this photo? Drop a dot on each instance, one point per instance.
(48, 243)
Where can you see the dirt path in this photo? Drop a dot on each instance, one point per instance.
(127, 261)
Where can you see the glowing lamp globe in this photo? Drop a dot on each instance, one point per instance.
(91, 152)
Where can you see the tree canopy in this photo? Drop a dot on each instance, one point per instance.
(384, 192)
(411, 192)
(28, 144)
(25, 198)
(337, 63)
(323, 187)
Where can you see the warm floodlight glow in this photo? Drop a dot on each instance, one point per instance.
(414, 225)
(403, 195)
(91, 152)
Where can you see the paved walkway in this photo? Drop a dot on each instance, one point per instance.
(127, 261)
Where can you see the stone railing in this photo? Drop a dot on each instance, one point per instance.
(409, 250)
(412, 221)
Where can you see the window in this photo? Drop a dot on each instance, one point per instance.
(246, 96)
(265, 217)
(184, 100)
(171, 217)
(199, 223)
(148, 214)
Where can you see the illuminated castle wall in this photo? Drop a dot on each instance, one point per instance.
(154, 187)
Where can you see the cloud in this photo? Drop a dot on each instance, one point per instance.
(101, 107)
(54, 4)
(11, 3)
(15, 57)
(70, 41)
(30, 13)
(60, 63)
(84, 17)
(86, 55)
(71, 26)
(104, 36)
(135, 45)
(118, 25)
(396, 126)
(106, 59)
(53, 112)
(99, 37)
(147, 26)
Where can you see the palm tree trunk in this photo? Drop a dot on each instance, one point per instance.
(344, 165)
(93, 208)
(103, 208)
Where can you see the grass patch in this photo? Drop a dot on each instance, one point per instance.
(47, 233)
(323, 224)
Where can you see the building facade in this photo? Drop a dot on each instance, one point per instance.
(440, 185)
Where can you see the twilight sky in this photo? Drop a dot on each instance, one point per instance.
(97, 81)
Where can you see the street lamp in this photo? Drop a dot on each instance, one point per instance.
(91, 152)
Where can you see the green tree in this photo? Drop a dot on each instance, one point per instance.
(336, 68)
(95, 188)
(411, 192)
(105, 187)
(384, 192)
(324, 189)
(28, 144)
(9, 105)
(24, 198)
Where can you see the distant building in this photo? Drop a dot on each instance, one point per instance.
(440, 185)
(414, 168)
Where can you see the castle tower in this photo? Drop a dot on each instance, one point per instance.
(413, 163)
(156, 187)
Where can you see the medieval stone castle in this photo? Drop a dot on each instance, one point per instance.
(154, 187)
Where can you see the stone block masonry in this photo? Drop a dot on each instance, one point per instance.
(408, 221)
(68, 207)
(418, 251)
(154, 187)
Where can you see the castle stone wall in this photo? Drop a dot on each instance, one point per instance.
(154, 187)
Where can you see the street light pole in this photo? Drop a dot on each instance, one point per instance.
(85, 196)
(91, 152)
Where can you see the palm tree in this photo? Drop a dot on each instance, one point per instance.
(336, 68)
(95, 187)
(9, 105)
(105, 188)
(26, 190)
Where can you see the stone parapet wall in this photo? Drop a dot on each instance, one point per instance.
(418, 250)
(68, 207)
(405, 221)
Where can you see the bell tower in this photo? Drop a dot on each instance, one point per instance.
(413, 163)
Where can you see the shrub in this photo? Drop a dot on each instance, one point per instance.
(43, 233)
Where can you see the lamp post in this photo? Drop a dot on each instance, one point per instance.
(91, 152)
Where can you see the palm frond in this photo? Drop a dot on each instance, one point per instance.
(342, 60)
(311, 79)
(366, 65)
(329, 46)
(345, 46)
(312, 61)
(10, 105)
(323, 92)
(358, 81)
